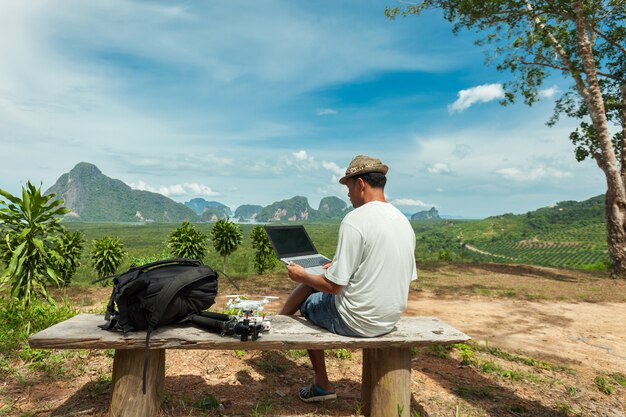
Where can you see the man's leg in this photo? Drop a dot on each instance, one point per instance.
(295, 300)
(318, 360)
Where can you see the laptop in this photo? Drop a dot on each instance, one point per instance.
(292, 244)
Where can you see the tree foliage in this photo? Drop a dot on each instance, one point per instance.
(187, 242)
(29, 227)
(226, 237)
(69, 247)
(264, 258)
(585, 42)
(106, 255)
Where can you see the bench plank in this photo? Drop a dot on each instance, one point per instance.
(288, 332)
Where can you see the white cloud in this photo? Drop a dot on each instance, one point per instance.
(301, 155)
(439, 168)
(177, 190)
(334, 168)
(326, 112)
(533, 173)
(549, 92)
(410, 202)
(480, 94)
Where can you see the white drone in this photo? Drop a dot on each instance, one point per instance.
(247, 306)
(250, 309)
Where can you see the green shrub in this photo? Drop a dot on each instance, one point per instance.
(69, 246)
(264, 258)
(227, 237)
(106, 255)
(28, 232)
(18, 321)
(187, 242)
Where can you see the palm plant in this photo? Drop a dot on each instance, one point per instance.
(264, 258)
(187, 242)
(28, 231)
(226, 237)
(106, 255)
(69, 247)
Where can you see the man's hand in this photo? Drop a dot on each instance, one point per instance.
(319, 282)
(296, 272)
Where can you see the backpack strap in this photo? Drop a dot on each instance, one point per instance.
(163, 262)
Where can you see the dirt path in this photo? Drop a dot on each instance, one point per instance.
(575, 333)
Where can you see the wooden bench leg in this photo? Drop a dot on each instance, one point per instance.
(386, 382)
(127, 398)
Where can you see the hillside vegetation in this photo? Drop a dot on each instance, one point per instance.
(568, 234)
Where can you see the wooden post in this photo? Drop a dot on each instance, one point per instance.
(127, 397)
(386, 382)
(366, 382)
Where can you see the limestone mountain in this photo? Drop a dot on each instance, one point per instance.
(332, 208)
(298, 209)
(431, 214)
(94, 197)
(295, 208)
(247, 212)
(209, 210)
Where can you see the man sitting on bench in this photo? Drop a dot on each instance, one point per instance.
(364, 290)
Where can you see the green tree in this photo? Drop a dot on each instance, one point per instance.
(69, 247)
(106, 255)
(226, 237)
(264, 258)
(28, 230)
(585, 42)
(187, 242)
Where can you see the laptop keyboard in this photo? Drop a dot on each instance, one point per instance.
(310, 262)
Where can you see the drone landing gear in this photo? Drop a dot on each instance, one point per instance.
(227, 325)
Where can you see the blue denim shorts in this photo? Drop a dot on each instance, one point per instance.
(320, 310)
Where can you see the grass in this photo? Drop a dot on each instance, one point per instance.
(604, 385)
(484, 359)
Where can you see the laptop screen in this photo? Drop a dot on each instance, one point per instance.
(290, 241)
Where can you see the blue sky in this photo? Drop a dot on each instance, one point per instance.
(250, 102)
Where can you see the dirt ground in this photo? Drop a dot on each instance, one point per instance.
(575, 342)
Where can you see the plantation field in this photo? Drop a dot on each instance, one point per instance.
(508, 240)
(500, 240)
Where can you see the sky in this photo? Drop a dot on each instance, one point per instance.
(252, 102)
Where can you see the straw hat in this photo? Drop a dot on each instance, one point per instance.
(363, 164)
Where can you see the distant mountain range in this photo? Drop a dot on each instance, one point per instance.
(93, 197)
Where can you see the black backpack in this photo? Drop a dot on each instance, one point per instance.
(159, 293)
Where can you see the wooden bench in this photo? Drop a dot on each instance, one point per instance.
(386, 377)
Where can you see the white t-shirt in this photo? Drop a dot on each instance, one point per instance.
(375, 261)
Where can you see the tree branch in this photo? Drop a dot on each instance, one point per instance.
(580, 83)
(610, 76)
(611, 41)
(543, 64)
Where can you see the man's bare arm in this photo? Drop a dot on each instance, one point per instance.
(318, 282)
